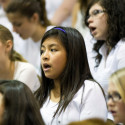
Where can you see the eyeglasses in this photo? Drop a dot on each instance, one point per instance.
(95, 13)
(115, 97)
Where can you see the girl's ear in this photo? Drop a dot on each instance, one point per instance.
(35, 17)
(8, 45)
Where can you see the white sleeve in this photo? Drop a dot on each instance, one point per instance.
(28, 76)
(94, 104)
(121, 57)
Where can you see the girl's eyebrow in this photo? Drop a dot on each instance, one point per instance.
(51, 45)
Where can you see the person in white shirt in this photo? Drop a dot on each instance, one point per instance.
(12, 64)
(18, 41)
(67, 92)
(105, 50)
(29, 20)
(116, 96)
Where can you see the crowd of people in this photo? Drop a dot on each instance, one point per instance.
(62, 63)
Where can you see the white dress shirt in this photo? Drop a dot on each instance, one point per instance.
(109, 64)
(88, 102)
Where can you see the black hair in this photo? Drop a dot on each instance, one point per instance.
(21, 107)
(76, 70)
(115, 9)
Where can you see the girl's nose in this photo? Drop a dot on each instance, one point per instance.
(90, 19)
(45, 55)
(14, 29)
(110, 102)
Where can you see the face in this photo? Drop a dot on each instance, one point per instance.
(2, 53)
(5, 49)
(5, 3)
(1, 107)
(117, 108)
(53, 58)
(98, 22)
(22, 25)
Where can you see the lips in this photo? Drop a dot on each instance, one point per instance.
(92, 30)
(46, 67)
(113, 112)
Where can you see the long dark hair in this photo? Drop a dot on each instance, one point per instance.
(28, 8)
(75, 72)
(115, 10)
(20, 104)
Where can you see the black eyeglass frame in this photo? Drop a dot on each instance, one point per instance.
(95, 13)
(115, 97)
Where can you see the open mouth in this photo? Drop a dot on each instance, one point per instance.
(113, 113)
(92, 29)
(46, 67)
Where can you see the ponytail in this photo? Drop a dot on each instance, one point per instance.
(15, 56)
(43, 16)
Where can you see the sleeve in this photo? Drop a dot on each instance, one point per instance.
(121, 57)
(29, 76)
(94, 104)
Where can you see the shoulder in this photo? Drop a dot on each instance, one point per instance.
(89, 88)
(21, 66)
(121, 43)
(91, 84)
(92, 87)
(120, 48)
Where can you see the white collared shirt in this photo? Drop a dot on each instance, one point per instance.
(87, 103)
(109, 64)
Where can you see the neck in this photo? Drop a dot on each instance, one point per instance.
(40, 30)
(55, 93)
(7, 70)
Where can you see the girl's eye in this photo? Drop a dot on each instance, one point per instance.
(53, 50)
(18, 24)
(42, 52)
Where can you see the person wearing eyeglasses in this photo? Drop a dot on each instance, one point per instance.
(106, 47)
(106, 21)
(116, 96)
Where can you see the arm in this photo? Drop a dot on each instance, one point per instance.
(94, 104)
(63, 11)
(74, 13)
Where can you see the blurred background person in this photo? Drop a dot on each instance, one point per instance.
(13, 65)
(18, 41)
(107, 54)
(18, 105)
(29, 20)
(78, 15)
(59, 12)
(105, 50)
(116, 96)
